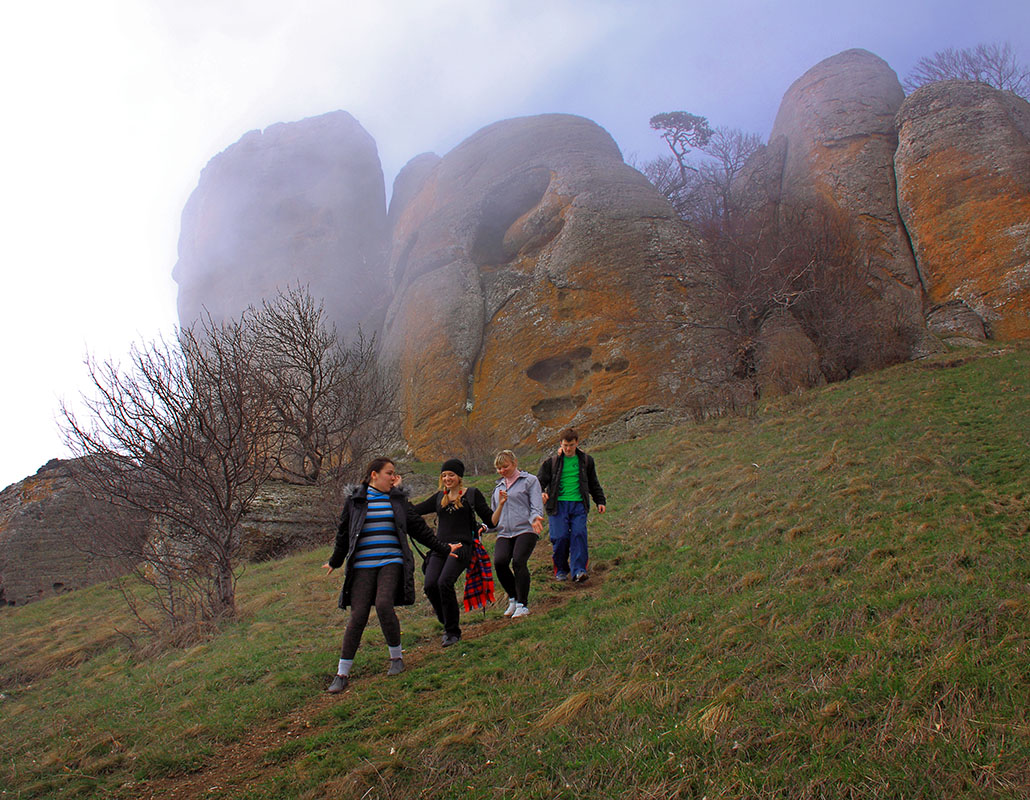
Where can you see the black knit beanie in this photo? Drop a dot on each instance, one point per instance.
(453, 465)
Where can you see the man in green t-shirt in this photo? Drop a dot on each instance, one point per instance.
(569, 481)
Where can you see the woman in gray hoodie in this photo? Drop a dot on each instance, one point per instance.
(519, 520)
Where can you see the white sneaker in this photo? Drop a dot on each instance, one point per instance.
(520, 611)
(512, 605)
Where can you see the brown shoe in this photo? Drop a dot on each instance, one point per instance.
(338, 685)
(396, 666)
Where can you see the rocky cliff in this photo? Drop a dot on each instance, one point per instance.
(298, 203)
(963, 167)
(540, 282)
(46, 530)
(835, 130)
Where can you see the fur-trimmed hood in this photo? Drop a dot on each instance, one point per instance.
(351, 489)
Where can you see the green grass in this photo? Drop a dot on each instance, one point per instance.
(827, 598)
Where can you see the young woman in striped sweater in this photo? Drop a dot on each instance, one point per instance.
(376, 522)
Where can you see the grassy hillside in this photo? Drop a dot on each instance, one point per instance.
(828, 598)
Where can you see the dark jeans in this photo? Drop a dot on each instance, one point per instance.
(568, 527)
(377, 585)
(442, 572)
(514, 551)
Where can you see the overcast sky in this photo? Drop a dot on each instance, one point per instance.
(113, 107)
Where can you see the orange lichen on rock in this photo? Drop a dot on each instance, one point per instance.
(963, 167)
(547, 284)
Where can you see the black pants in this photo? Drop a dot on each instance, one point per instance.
(379, 586)
(442, 572)
(513, 552)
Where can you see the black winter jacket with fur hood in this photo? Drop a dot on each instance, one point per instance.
(407, 522)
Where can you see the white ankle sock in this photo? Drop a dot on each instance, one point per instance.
(344, 666)
(395, 652)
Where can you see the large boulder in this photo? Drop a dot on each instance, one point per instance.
(300, 203)
(963, 166)
(541, 282)
(837, 127)
(47, 529)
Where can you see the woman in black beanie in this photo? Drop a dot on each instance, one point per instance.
(456, 508)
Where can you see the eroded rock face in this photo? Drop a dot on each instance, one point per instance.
(541, 282)
(963, 166)
(838, 124)
(46, 528)
(300, 203)
(954, 319)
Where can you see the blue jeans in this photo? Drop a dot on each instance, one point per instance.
(568, 529)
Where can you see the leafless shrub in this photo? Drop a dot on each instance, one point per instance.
(333, 404)
(808, 262)
(993, 64)
(182, 437)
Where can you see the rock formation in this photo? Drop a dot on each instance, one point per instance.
(299, 203)
(46, 528)
(837, 127)
(963, 167)
(540, 282)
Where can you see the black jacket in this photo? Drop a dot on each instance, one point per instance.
(550, 480)
(408, 523)
(458, 524)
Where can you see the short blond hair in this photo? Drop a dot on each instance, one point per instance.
(505, 457)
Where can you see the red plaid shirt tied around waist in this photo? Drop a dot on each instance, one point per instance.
(479, 579)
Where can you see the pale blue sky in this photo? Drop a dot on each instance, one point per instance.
(114, 106)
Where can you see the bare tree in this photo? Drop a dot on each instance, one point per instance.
(808, 262)
(993, 64)
(683, 132)
(334, 405)
(728, 151)
(183, 437)
(702, 187)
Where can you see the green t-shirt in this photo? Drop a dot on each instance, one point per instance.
(569, 489)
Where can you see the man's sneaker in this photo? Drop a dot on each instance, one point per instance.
(396, 666)
(338, 685)
(450, 638)
(580, 577)
(561, 576)
(520, 611)
(511, 607)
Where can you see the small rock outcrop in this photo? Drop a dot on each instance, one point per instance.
(541, 282)
(300, 203)
(46, 530)
(837, 127)
(963, 167)
(286, 518)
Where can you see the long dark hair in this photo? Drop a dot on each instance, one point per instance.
(376, 465)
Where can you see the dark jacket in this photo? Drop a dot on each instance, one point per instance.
(408, 523)
(550, 480)
(457, 524)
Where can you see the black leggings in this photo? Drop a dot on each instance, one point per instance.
(377, 585)
(442, 572)
(514, 550)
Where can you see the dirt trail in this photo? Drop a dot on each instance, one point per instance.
(241, 764)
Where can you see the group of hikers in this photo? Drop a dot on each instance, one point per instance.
(377, 520)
